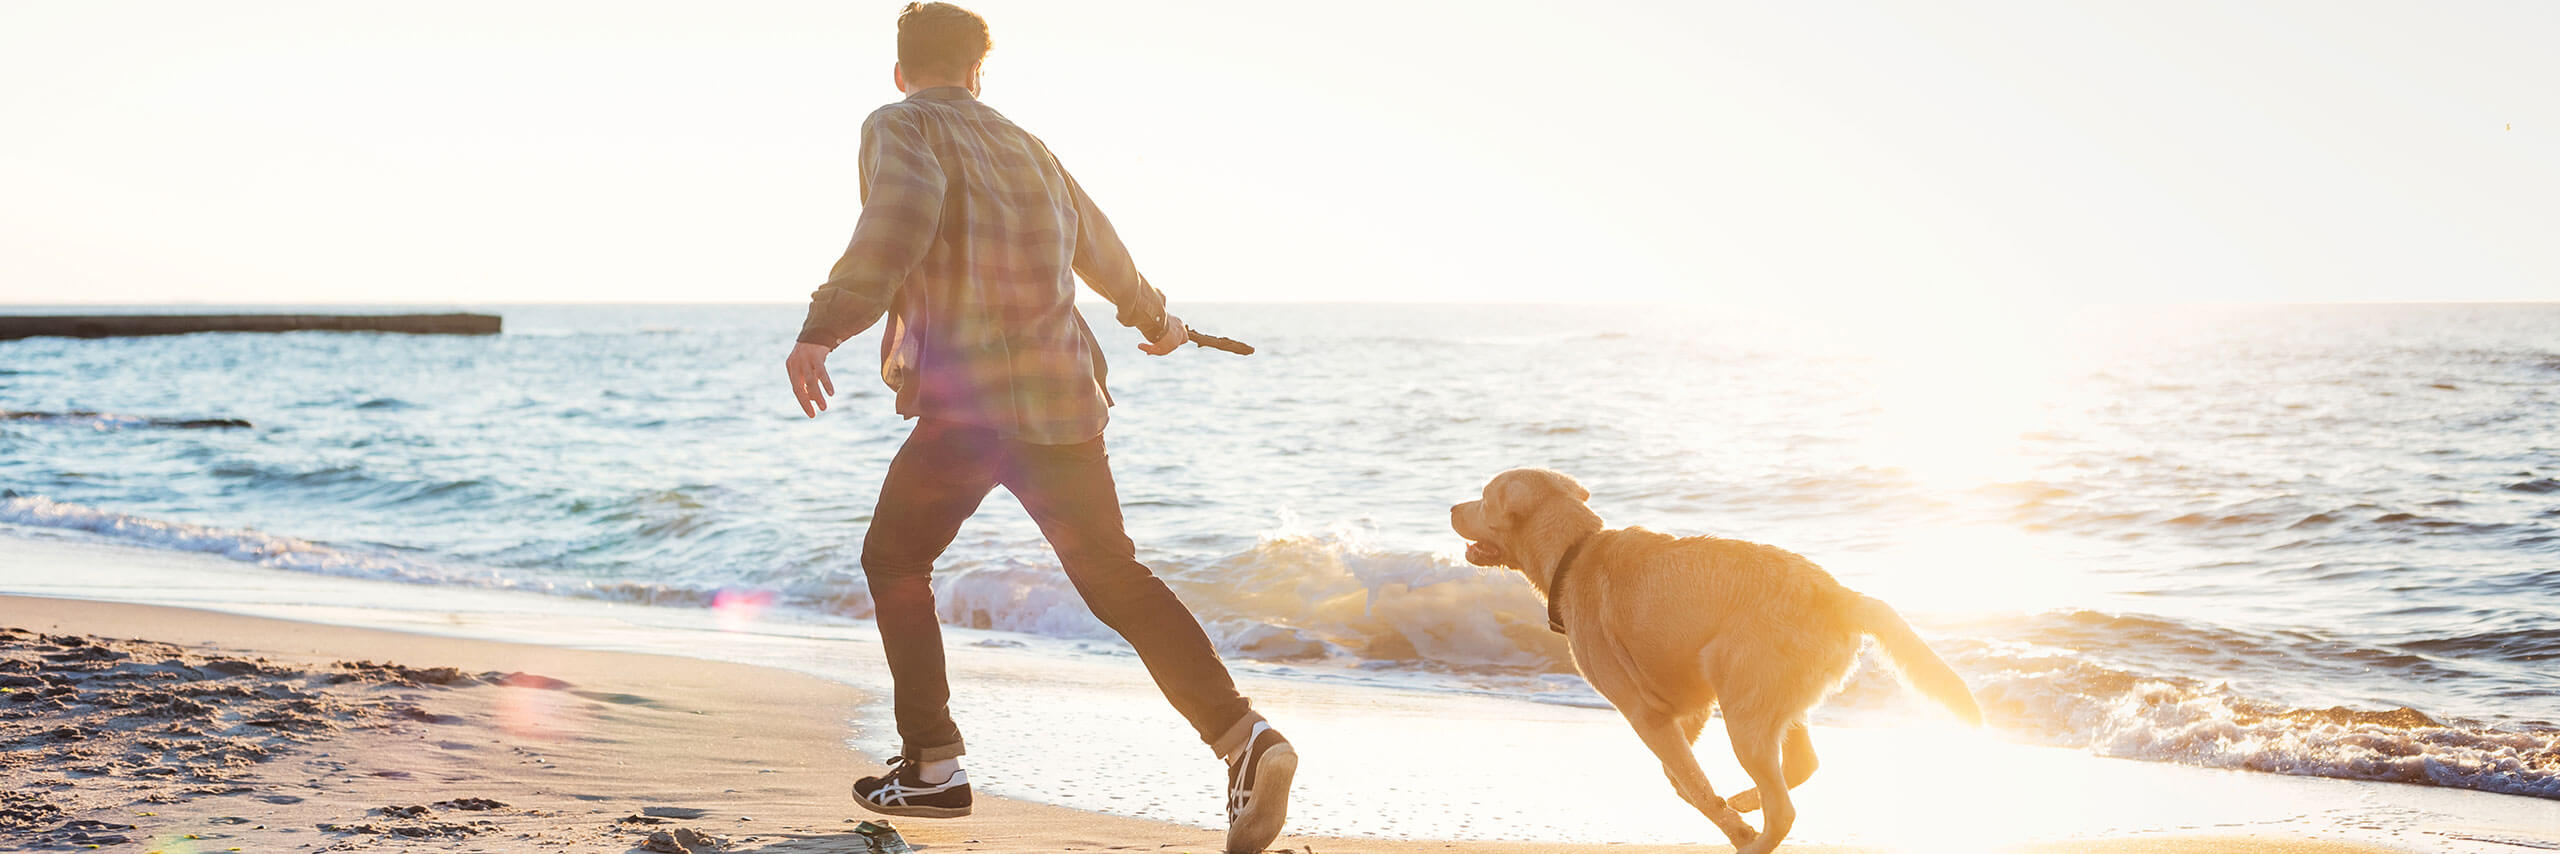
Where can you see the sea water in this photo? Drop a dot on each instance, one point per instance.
(2309, 540)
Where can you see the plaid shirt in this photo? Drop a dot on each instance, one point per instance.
(970, 240)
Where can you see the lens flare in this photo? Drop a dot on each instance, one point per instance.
(737, 610)
(535, 708)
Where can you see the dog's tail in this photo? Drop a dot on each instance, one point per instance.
(1919, 665)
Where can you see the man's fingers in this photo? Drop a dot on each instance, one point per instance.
(810, 385)
(800, 386)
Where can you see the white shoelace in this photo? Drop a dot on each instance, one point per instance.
(1239, 795)
(894, 793)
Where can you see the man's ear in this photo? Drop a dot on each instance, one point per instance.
(975, 70)
(898, 77)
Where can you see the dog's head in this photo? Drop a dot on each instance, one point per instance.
(1521, 509)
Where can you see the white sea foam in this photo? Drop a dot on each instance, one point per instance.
(288, 553)
(1294, 597)
(1015, 596)
(238, 544)
(1291, 593)
(2127, 716)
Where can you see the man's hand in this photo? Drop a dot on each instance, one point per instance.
(809, 383)
(1176, 334)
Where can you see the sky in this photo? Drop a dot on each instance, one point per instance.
(1826, 153)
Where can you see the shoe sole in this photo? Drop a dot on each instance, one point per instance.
(918, 811)
(1261, 824)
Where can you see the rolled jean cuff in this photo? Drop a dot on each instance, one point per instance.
(1235, 738)
(936, 753)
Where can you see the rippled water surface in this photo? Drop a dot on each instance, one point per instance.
(2315, 540)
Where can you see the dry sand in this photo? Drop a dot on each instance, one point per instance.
(216, 732)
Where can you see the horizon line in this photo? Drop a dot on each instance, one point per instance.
(1418, 302)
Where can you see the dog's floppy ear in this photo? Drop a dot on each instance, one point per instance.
(1511, 497)
(1513, 494)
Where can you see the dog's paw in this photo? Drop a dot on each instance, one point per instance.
(1738, 833)
(1747, 801)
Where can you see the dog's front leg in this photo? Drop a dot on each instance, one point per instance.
(1679, 764)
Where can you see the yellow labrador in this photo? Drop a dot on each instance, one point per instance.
(1667, 628)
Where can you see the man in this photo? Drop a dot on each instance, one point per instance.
(970, 237)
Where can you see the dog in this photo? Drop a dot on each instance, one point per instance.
(1669, 628)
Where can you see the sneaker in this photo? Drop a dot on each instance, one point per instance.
(1258, 789)
(903, 791)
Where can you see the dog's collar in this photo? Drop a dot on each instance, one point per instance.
(1555, 583)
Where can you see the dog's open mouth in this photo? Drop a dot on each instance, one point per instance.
(1484, 554)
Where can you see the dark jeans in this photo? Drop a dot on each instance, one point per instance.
(935, 483)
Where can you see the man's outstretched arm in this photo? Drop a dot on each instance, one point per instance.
(902, 186)
(1104, 264)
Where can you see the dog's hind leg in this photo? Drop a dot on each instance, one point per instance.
(1800, 765)
(1693, 723)
(1759, 744)
(1666, 739)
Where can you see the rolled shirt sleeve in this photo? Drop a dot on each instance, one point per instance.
(902, 195)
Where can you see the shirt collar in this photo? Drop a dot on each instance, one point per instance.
(943, 93)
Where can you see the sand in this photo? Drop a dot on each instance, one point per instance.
(163, 729)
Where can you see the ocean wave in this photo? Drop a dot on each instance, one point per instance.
(2068, 700)
(2105, 683)
(288, 553)
(2535, 486)
(2221, 520)
(354, 483)
(2525, 645)
(2158, 644)
(298, 555)
(238, 544)
(1290, 597)
(2304, 526)
(1292, 592)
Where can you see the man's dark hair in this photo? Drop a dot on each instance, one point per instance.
(940, 40)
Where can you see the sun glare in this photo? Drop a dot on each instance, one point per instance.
(1956, 392)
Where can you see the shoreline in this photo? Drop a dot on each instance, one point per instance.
(1472, 769)
(760, 752)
